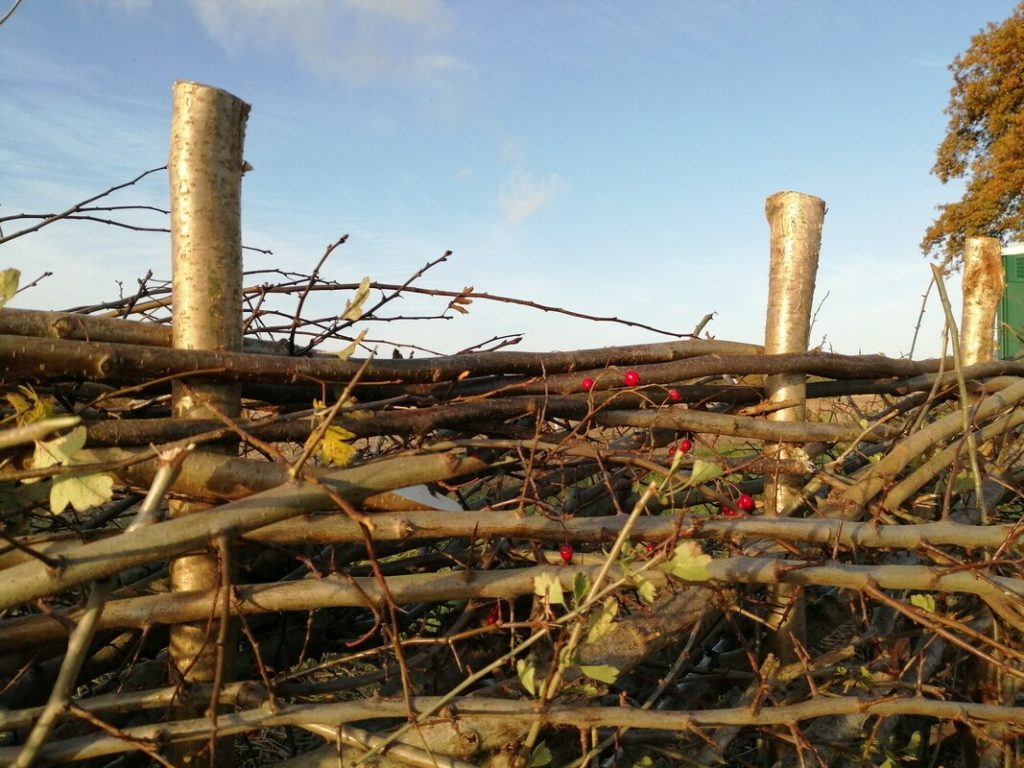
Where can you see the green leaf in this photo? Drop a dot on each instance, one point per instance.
(9, 279)
(688, 562)
(354, 308)
(601, 621)
(527, 675)
(925, 602)
(580, 587)
(645, 588)
(549, 588)
(540, 756)
(603, 673)
(703, 471)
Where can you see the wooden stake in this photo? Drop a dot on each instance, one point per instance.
(205, 171)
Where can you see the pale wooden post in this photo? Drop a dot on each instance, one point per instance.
(795, 220)
(983, 285)
(205, 171)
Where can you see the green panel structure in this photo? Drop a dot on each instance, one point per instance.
(1011, 307)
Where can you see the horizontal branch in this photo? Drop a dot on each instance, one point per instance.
(344, 591)
(557, 713)
(59, 358)
(432, 525)
(31, 580)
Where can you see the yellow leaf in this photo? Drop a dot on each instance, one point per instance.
(80, 491)
(349, 350)
(601, 672)
(549, 588)
(924, 602)
(601, 621)
(354, 308)
(9, 279)
(334, 449)
(28, 406)
(83, 492)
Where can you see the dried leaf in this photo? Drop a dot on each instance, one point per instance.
(460, 302)
(28, 406)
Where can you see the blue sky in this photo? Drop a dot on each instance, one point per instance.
(608, 157)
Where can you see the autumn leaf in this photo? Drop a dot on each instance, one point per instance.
(352, 346)
(28, 406)
(80, 491)
(9, 279)
(460, 302)
(354, 307)
(924, 601)
(603, 673)
(334, 447)
(83, 492)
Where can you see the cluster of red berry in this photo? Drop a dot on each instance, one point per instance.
(744, 502)
(632, 379)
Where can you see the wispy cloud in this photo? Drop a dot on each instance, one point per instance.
(520, 196)
(352, 41)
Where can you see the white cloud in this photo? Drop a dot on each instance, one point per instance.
(353, 41)
(520, 196)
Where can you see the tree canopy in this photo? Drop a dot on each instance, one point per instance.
(984, 142)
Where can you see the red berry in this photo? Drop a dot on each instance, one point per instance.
(648, 548)
(566, 553)
(632, 378)
(745, 502)
(685, 445)
(671, 449)
(588, 384)
(674, 395)
(727, 511)
(495, 614)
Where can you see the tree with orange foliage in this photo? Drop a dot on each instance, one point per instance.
(984, 142)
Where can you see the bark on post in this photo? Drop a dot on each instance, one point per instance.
(205, 173)
(795, 220)
(983, 284)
